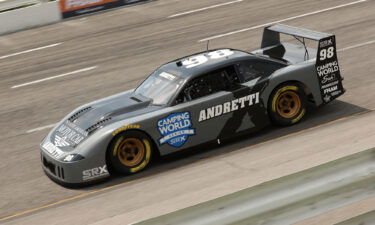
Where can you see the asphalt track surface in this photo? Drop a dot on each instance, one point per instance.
(49, 71)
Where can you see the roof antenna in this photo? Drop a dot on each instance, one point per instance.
(208, 43)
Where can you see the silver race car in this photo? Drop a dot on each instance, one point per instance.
(203, 97)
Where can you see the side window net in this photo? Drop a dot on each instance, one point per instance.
(219, 80)
(248, 71)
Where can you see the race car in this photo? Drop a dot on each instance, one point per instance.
(204, 97)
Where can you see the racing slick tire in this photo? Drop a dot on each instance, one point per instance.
(130, 152)
(287, 104)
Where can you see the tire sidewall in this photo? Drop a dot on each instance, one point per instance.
(112, 152)
(278, 119)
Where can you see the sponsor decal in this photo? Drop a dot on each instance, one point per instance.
(330, 89)
(330, 84)
(69, 134)
(126, 127)
(327, 98)
(52, 149)
(325, 43)
(70, 8)
(227, 107)
(175, 129)
(71, 5)
(328, 70)
(95, 172)
(61, 142)
(167, 76)
(197, 60)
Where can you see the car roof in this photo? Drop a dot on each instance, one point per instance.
(175, 67)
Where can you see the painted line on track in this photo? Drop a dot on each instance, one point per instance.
(40, 128)
(30, 50)
(203, 9)
(282, 20)
(22, 213)
(356, 46)
(54, 77)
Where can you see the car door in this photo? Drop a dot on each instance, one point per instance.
(246, 93)
(210, 107)
(190, 124)
(254, 75)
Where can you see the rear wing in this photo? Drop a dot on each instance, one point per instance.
(271, 34)
(326, 64)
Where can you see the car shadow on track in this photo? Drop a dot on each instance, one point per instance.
(315, 117)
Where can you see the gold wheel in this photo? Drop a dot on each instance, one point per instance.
(131, 151)
(288, 104)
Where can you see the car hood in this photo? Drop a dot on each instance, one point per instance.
(90, 118)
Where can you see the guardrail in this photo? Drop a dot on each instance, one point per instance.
(288, 199)
(11, 4)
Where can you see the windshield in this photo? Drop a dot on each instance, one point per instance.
(160, 87)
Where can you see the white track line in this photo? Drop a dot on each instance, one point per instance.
(356, 46)
(205, 8)
(30, 50)
(53, 77)
(40, 128)
(279, 21)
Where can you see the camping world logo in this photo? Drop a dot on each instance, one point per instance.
(175, 129)
(60, 142)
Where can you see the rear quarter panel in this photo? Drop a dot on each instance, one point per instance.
(304, 72)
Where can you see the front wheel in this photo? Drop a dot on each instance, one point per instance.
(130, 152)
(287, 104)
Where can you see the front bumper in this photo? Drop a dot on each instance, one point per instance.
(69, 174)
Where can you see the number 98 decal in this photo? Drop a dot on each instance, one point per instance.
(326, 53)
(201, 59)
(194, 61)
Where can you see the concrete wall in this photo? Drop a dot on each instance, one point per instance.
(9, 4)
(32, 16)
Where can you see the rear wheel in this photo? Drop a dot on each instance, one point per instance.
(287, 104)
(130, 152)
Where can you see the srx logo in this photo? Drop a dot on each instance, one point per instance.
(95, 172)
